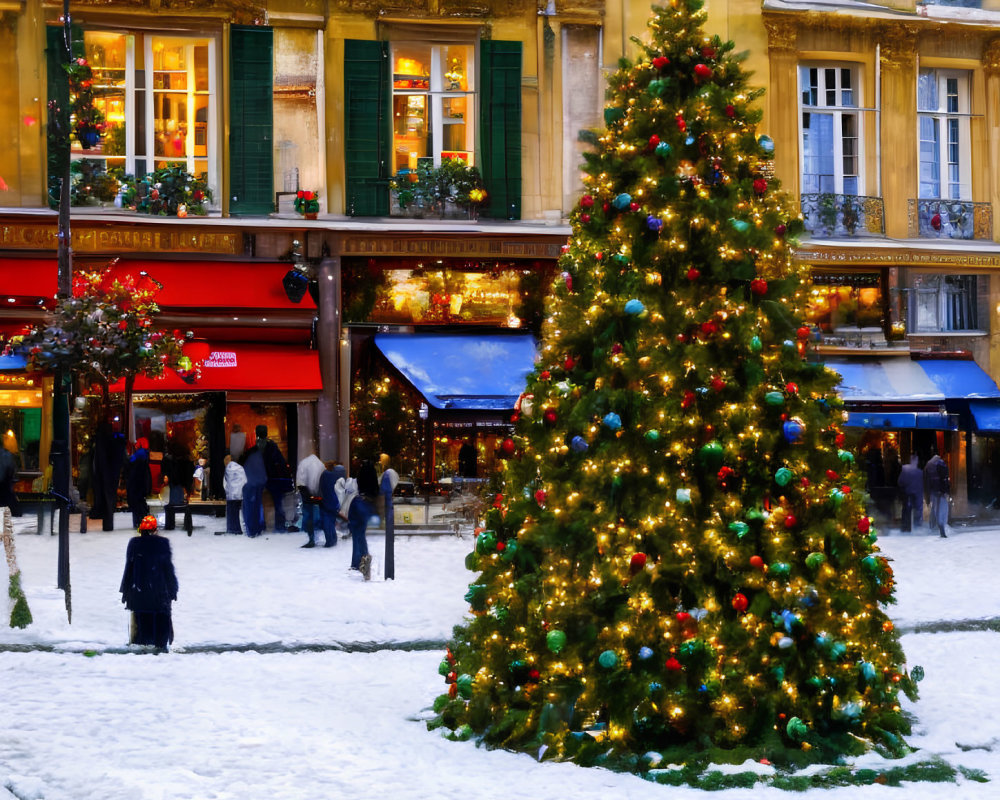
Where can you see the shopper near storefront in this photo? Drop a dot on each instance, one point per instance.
(178, 472)
(307, 477)
(329, 503)
(233, 480)
(911, 492)
(109, 458)
(253, 490)
(149, 586)
(279, 476)
(138, 481)
(937, 486)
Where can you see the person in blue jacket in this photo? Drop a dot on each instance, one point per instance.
(329, 504)
(149, 586)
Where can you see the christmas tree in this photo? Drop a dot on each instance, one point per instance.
(680, 561)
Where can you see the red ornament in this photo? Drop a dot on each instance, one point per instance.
(740, 602)
(689, 398)
(549, 416)
(805, 483)
(864, 524)
(831, 475)
(585, 218)
(545, 375)
(681, 124)
(599, 255)
(709, 327)
(673, 664)
(791, 387)
(845, 489)
(758, 286)
(616, 348)
(802, 333)
(693, 274)
(634, 206)
(717, 383)
(790, 521)
(605, 207)
(507, 448)
(756, 562)
(839, 439)
(587, 201)
(122, 325)
(707, 52)
(637, 562)
(780, 229)
(540, 497)
(702, 72)
(653, 141)
(660, 62)
(501, 546)
(498, 501)
(759, 187)
(683, 617)
(730, 111)
(569, 363)
(534, 676)
(569, 281)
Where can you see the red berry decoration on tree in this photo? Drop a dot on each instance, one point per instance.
(637, 562)
(688, 400)
(702, 72)
(792, 387)
(803, 333)
(760, 187)
(693, 274)
(831, 475)
(864, 524)
(540, 496)
(717, 383)
(758, 286)
(660, 62)
(681, 124)
(780, 229)
(740, 602)
(544, 375)
(791, 521)
(587, 201)
(569, 363)
(730, 111)
(549, 416)
(653, 141)
(673, 665)
(507, 448)
(757, 562)
(585, 218)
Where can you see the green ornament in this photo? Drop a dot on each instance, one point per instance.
(780, 569)
(846, 456)
(774, 398)
(472, 562)
(476, 596)
(444, 667)
(486, 543)
(619, 260)
(756, 345)
(739, 528)
(502, 613)
(555, 640)
(184, 363)
(815, 560)
(663, 150)
(783, 476)
(755, 515)
(871, 564)
(509, 551)
(612, 114)
(608, 659)
(837, 650)
(917, 673)
(652, 436)
(657, 87)
(711, 455)
(464, 683)
(837, 496)
(739, 225)
(796, 729)
(815, 683)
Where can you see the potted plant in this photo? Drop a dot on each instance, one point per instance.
(453, 189)
(167, 192)
(307, 203)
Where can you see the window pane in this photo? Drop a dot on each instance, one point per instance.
(830, 77)
(455, 61)
(927, 90)
(846, 88)
(817, 152)
(930, 158)
(809, 91)
(952, 95)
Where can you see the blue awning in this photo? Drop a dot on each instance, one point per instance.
(466, 372)
(12, 361)
(960, 380)
(986, 414)
(894, 420)
(898, 380)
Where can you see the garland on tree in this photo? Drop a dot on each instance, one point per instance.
(680, 562)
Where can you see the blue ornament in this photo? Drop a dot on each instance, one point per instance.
(755, 344)
(654, 687)
(654, 223)
(867, 670)
(634, 307)
(612, 420)
(663, 150)
(683, 495)
(793, 429)
(622, 201)
(689, 141)
(739, 225)
(607, 659)
(766, 144)
(578, 444)
(645, 653)
(702, 689)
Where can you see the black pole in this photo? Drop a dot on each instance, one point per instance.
(60, 406)
(390, 530)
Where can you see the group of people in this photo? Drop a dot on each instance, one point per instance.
(932, 483)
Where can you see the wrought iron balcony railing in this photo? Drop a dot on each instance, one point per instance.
(950, 219)
(842, 215)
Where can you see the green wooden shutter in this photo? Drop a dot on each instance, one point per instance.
(251, 116)
(500, 133)
(366, 134)
(57, 86)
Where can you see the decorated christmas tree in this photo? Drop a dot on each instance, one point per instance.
(680, 561)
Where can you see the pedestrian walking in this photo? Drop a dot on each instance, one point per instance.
(253, 490)
(356, 511)
(911, 493)
(937, 487)
(307, 478)
(277, 475)
(329, 503)
(149, 587)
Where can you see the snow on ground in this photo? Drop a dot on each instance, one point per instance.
(85, 718)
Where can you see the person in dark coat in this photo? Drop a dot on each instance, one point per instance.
(149, 586)
(109, 457)
(178, 471)
(368, 480)
(138, 481)
(911, 491)
(937, 486)
(253, 489)
(8, 473)
(278, 475)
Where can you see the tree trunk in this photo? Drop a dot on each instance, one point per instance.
(129, 425)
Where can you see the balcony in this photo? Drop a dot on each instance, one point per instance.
(835, 216)
(950, 219)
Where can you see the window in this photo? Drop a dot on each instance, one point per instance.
(157, 96)
(945, 303)
(831, 130)
(433, 103)
(944, 140)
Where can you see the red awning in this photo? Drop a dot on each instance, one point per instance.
(218, 284)
(186, 284)
(243, 367)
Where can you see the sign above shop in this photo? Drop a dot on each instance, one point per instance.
(123, 238)
(221, 358)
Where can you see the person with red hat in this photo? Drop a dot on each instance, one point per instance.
(149, 586)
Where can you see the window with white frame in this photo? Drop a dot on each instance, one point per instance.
(433, 103)
(943, 132)
(831, 129)
(945, 302)
(158, 96)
